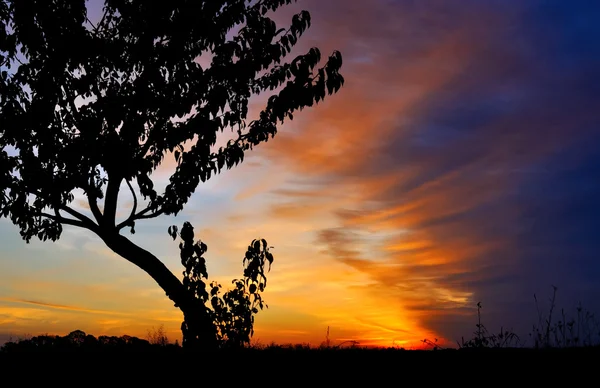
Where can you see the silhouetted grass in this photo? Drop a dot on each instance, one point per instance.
(556, 340)
(550, 332)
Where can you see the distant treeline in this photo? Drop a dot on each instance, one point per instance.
(79, 340)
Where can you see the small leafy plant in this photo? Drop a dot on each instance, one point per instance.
(228, 316)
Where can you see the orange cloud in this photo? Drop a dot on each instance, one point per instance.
(400, 207)
(338, 140)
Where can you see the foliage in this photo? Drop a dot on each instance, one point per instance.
(482, 338)
(568, 332)
(76, 340)
(583, 329)
(327, 344)
(158, 336)
(232, 313)
(94, 107)
(433, 344)
(90, 106)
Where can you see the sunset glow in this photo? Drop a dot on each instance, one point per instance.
(447, 171)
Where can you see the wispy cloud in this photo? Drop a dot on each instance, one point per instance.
(62, 307)
(422, 170)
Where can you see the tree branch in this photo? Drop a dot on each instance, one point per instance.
(141, 215)
(97, 26)
(92, 199)
(81, 217)
(153, 215)
(131, 219)
(65, 221)
(70, 100)
(83, 220)
(94, 208)
(110, 201)
(134, 198)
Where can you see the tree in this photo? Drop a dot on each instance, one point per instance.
(97, 107)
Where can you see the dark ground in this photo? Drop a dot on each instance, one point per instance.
(297, 367)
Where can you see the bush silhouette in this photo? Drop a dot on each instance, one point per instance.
(77, 340)
(158, 336)
(231, 314)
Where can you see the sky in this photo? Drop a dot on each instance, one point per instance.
(459, 164)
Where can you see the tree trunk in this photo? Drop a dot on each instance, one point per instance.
(198, 330)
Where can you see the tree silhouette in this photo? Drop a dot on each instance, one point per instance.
(97, 107)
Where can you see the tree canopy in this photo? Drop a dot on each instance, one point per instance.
(89, 106)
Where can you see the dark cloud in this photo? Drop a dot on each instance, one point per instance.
(537, 151)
